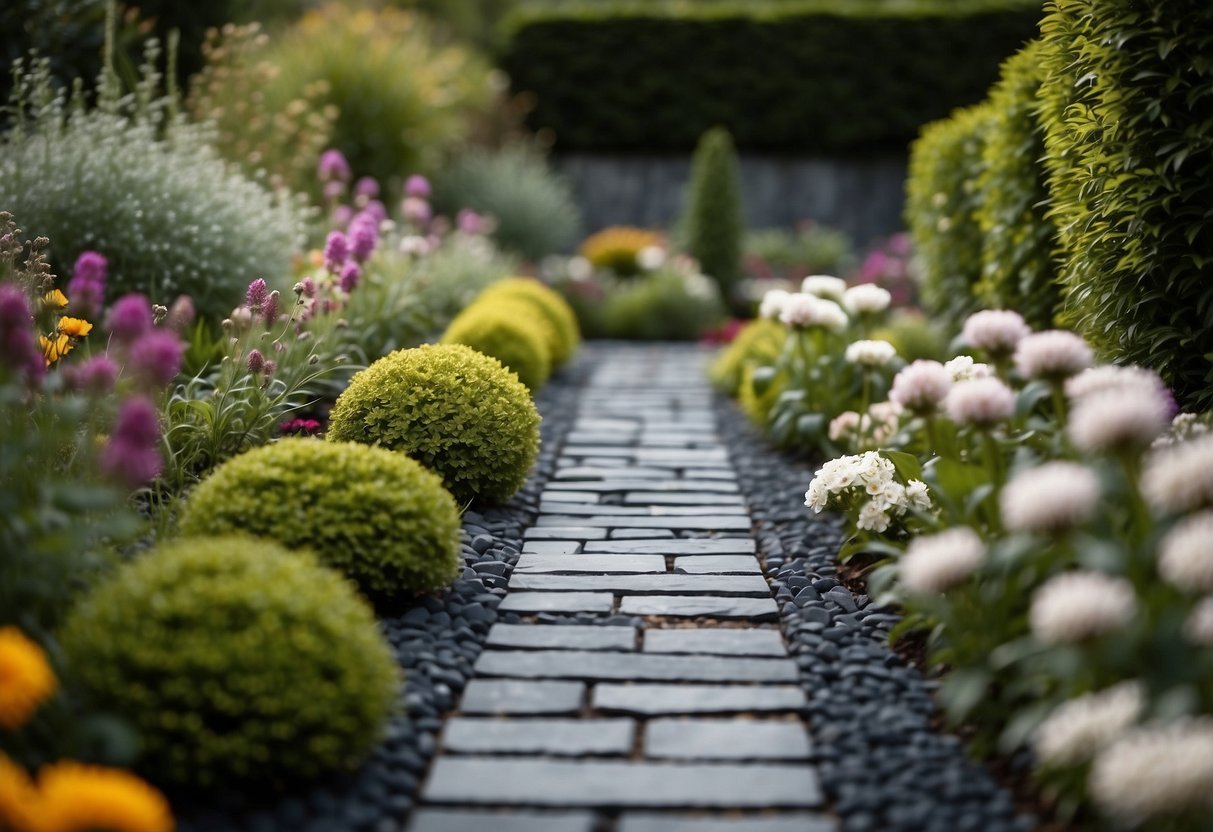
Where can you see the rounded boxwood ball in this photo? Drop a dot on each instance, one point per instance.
(379, 517)
(237, 660)
(457, 412)
(509, 334)
(566, 336)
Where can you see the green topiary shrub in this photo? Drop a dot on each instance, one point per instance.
(712, 220)
(237, 660)
(534, 208)
(941, 204)
(663, 305)
(548, 303)
(1128, 116)
(378, 517)
(914, 336)
(508, 332)
(758, 343)
(457, 412)
(1019, 242)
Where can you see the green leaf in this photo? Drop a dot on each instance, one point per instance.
(907, 465)
(962, 690)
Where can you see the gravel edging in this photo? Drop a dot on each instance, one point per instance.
(436, 642)
(882, 765)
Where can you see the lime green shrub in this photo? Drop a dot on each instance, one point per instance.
(1019, 242)
(457, 412)
(238, 662)
(914, 336)
(1129, 135)
(712, 220)
(508, 332)
(663, 305)
(941, 205)
(563, 334)
(378, 517)
(757, 344)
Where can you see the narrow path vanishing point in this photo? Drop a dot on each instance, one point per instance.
(691, 723)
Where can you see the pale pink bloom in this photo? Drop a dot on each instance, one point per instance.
(1106, 377)
(1185, 555)
(824, 286)
(1076, 606)
(936, 563)
(1180, 477)
(1155, 770)
(871, 353)
(1118, 418)
(803, 310)
(1078, 729)
(1052, 497)
(866, 299)
(1053, 355)
(982, 402)
(922, 386)
(997, 331)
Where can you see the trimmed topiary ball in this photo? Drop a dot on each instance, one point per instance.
(237, 660)
(508, 332)
(548, 303)
(457, 412)
(379, 517)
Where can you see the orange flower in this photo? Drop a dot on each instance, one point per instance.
(75, 327)
(26, 678)
(20, 803)
(80, 798)
(54, 299)
(55, 348)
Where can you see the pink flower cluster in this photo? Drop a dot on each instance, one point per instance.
(86, 289)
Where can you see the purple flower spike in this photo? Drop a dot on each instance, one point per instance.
(416, 211)
(417, 186)
(350, 274)
(336, 251)
(256, 294)
(364, 236)
(132, 456)
(367, 186)
(92, 266)
(181, 314)
(86, 289)
(96, 376)
(18, 347)
(256, 361)
(129, 318)
(469, 222)
(333, 166)
(156, 357)
(269, 309)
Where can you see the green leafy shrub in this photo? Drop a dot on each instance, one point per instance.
(779, 76)
(563, 332)
(1019, 242)
(663, 305)
(237, 660)
(147, 191)
(457, 412)
(507, 332)
(534, 208)
(757, 344)
(941, 204)
(378, 517)
(792, 255)
(1128, 117)
(914, 336)
(712, 220)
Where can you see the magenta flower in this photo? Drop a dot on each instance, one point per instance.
(181, 314)
(376, 211)
(308, 286)
(307, 427)
(367, 187)
(132, 455)
(86, 289)
(364, 236)
(416, 211)
(129, 317)
(350, 273)
(469, 222)
(18, 346)
(333, 191)
(336, 251)
(95, 376)
(269, 309)
(256, 361)
(333, 166)
(342, 215)
(256, 294)
(417, 186)
(156, 357)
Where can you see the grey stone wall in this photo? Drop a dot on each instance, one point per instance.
(862, 196)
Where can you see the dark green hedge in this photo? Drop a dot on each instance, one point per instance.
(810, 76)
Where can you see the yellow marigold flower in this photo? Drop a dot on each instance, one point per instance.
(75, 327)
(54, 299)
(20, 803)
(26, 678)
(55, 348)
(79, 798)
(617, 247)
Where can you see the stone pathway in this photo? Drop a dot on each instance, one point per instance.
(684, 712)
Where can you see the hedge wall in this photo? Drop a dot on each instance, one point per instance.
(808, 76)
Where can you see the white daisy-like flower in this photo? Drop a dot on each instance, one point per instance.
(1179, 478)
(1185, 555)
(772, 304)
(922, 386)
(1132, 380)
(936, 563)
(1155, 770)
(964, 368)
(1115, 419)
(982, 402)
(824, 286)
(1078, 729)
(817, 496)
(1184, 426)
(871, 353)
(917, 495)
(1055, 354)
(1198, 629)
(872, 518)
(1076, 606)
(804, 310)
(866, 299)
(650, 258)
(997, 331)
(1052, 497)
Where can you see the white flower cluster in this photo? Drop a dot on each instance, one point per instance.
(997, 331)
(1185, 555)
(1180, 477)
(1080, 728)
(1118, 419)
(1198, 629)
(868, 430)
(1107, 377)
(1076, 606)
(1155, 770)
(964, 368)
(803, 310)
(824, 286)
(982, 402)
(872, 476)
(866, 299)
(650, 258)
(871, 353)
(922, 386)
(772, 304)
(936, 563)
(1053, 497)
(1184, 426)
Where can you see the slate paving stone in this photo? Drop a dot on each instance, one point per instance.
(557, 737)
(700, 546)
(576, 497)
(631, 822)
(622, 472)
(672, 700)
(719, 739)
(562, 637)
(564, 533)
(652, 486)
(629, 534)
(718, 641)
(716, 564)
(671, 522)
(661, 455)
(721, 586)
(550, 547)
(518, 697)
(557, 602)
(532, 564)
(611, 438)
(675, 498)
(548, 507)
(557, 783)
(592, 424)
(584, 664)
(451, 820)
(755, 609)
(716, 474)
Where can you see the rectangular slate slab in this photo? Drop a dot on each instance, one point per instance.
(622, 472)
(716, 473)
(671, 700)
(557, 737)
(716, 564)
(557, 602)
(583, 664)
(661, 486)
(632, 534)
(726, 739)
(452, 820)
(674, 498)
(718, 641)
(698, 546)
(562, 637)
(576, 497)
(754, 609)
(665, 584)
(550, 547)
(632, 822)
(609, 784)
(529, 564)
(738, 522)
(549, 507)
(601, 438)
(668, 456)
(514, 696)
(564, 533)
